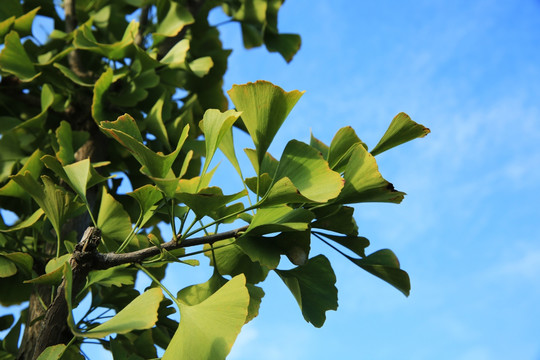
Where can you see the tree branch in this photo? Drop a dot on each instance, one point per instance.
(143, 21)
(105, 261)
(71, 24)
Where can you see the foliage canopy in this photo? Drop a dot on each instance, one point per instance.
(135, 87)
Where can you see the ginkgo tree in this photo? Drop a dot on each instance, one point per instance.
(100, 97)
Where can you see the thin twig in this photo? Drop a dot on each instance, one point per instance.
(105, 261)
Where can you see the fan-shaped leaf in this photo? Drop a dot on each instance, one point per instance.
(401, 130)
(313, 287)
(364, 182)
(264, 108)
(208, 329)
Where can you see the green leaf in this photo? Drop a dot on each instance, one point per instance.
(385, 265)
(176, 57)
(195, 294)
(174, 21)
(52, 352)
(53, 271)
(201, 67)
(335, 218)
(313, 287)
(264, 108)
(64, 136)
(113, 220)
(23, 261)
(208, 330)
(208, 200)
(287, 45)
(154, 121)
(115, 276)
(279, 218)
(364, 182)
(125, 131)
(215, 125)
(139, 314)
(303, 176)
(260, 249)
(70, 74)
(78, 174)
(15, 60)
(231, 260)
(356, 244)
(147, 196)
(23, 24)
(84, 39)
(7, 267)
(319, 145)
(33, 165)
(401, 130)
(55, 201)
(100, 89)
(341, 148)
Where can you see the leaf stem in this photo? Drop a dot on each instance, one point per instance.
(149, 274)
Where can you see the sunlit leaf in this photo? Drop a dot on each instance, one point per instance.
(313, 287)
(303, 176)
(139, 314)
(264, 108)
(341, 147)
(364, 182)
(28, 222)
(125, 131)
(215, 125)
(208, 330)
(52, 352)
(401, 130)
(78, 174)
(207, 200)
(113, 220)
(174, 21)
(279, 218)
(15, 60)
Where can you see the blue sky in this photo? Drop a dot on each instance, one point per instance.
(467, 232)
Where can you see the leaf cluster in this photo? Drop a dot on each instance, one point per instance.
(134, 87)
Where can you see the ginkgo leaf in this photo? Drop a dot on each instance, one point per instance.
(125, 131)
(28, 222)
(15, 60)
(215, 125)
(208, 200)
(336, 218)
(147, 196)
(364, 182)
(303, 176)
(208, 329)
(385, 265)
(52, 352)
(313, 287)
(264, 107)
(341, 148)
(231, 260)
(401, 130)
(113, 221)
(139, 314)
(33, 165)
(279, 218)
(102, 85)
(78, 175)
(55, 201)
